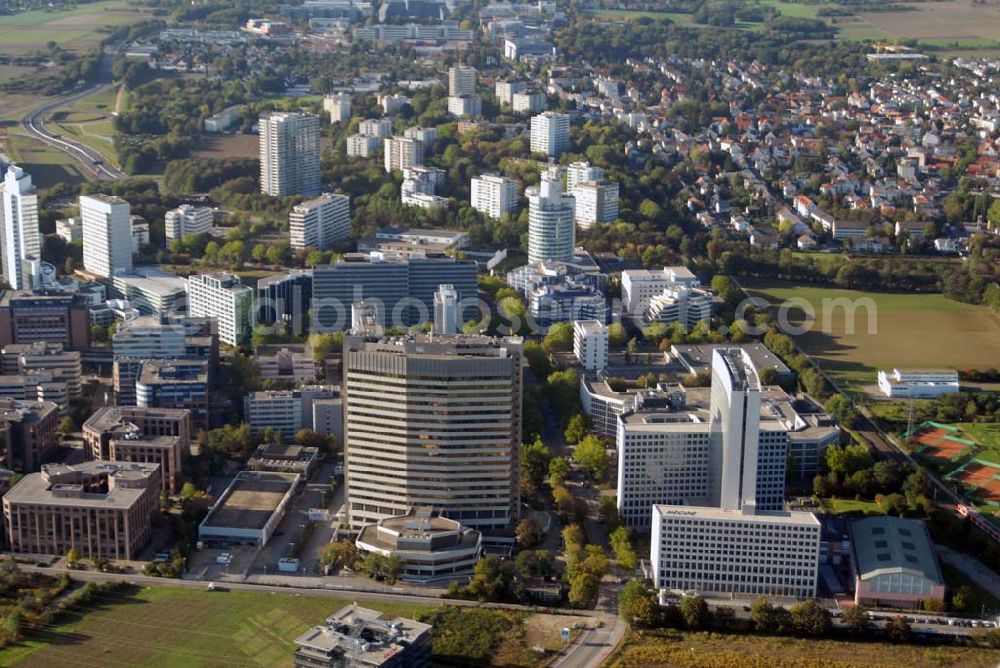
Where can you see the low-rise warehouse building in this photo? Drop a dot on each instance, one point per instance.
(355, 637)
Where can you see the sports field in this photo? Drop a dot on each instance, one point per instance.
(941, 443)
(982, 474)
(856, 333)
(77, 29)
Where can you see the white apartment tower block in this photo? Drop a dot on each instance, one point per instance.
(20, 240)
(596, 202)
(223, 297)
(551, 231)
(186, 220)
(494, 195)
(590, 344)
(289, 154)
(321, 222)
(107, 235)
(402, 153)
(338, 105)
(550, 133)
(581, 172)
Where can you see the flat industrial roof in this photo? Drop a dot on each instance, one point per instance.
(891, 544)
(250, 500)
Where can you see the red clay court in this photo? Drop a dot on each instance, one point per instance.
(936, 443)
(983, 475)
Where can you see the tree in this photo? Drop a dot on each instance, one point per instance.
(538, 359)
(559, 337)
(961, 598)
(848, 459)
(811, 619)
(535, 563)
(898, 629)
(73, 557)
(582, 590)
(608, 507)
(617, 335)
(887, 474)
(563, 500)
(528, 533)
(593, 456)
(535, 459)
(188, 490)
(856, 619)
(621, 544)
(723, 618)
(637, 604)
(842, 408)
(764, 615)
(577, 428)
(337, 555)
(822, 487)
(694, 610)
(559, 469)
(66, 426)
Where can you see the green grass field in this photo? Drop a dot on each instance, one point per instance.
(841, 506)
(716, 650)
(886, 330)
(76, 29)
(987, 435)
(90, 122)
(160, 626)
(46, 165)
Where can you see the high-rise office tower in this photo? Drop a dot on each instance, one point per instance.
(494, 195)
(321, 222)
(551, 230)
(107, 235)
(461, 80)
(446, 312)
(550, 133)
(289, 154)
(402, 153)
(19, 239)
(433, 421)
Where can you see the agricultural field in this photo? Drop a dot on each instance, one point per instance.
(716, 650)
(77, 29)
(955, 24)
(886, 330)
(162, 626)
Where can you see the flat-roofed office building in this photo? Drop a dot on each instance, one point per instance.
(433, 421)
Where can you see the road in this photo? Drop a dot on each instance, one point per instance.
(91, 159)
(592, 647)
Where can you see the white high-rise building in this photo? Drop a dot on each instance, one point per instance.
(433, 420)
(338, 105)
(590, 344)
(581, 172)
(461, 80)
(375, 127)
(529, 102)
(596, 202)
(505, 90)
(550, 133)
(465, 105)
(402, 152)
(446, 311)
(186, 220)
(551, 231)
(692, 545)
(321, 222)
(20, 241)
(222, 296)
(289, 154)
(107, 235)
(494, 195)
